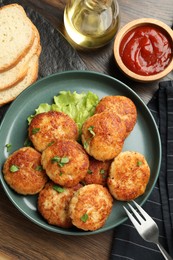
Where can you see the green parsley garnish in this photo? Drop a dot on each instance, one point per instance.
(103, 173)
(49, 144)
(8, 146)
(35, 130)
(60, 160)
(85, 145)
(58, 188)
(84, 217)
(14, 168)
(55, 159)
(64, 160)
(89, 171)
(39, 168)
(27, 142)
(139, 163)
(90, 129)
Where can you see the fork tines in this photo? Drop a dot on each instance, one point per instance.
(140, 217)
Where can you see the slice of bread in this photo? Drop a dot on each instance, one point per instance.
(16, 35)
(10, 94)
(18, 72)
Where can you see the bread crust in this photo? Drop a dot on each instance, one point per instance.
(14, 75)
(8, 62)
(23, 71)
(10, 94)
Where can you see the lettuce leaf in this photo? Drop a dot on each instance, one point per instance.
(44, 107)
(77, 106)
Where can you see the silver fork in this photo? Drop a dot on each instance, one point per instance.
(146, 227)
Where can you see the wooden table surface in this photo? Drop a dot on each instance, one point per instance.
(20, 238)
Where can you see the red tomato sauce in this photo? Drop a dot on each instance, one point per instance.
(146, 50)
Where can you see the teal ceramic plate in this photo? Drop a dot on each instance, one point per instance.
(144, 138)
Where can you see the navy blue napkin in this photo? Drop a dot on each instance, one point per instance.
(127, 244)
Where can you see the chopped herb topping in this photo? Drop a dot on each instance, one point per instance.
(35, 130)
(55, 159)
(60, 161)
(14, 168)
(27, 142)
(50, 143)
(8, 146)
(58, 188)
(139, 163)
(85, 145)
(89, 171)
(84, 217)
(64, 160)
(102, 171)
(90, 129)
(39, 168)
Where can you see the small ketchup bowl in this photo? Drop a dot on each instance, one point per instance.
(143, 49)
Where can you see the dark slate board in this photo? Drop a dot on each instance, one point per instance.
(57, 54)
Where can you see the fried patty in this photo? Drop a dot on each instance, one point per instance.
(103, 135)
(53, 204)
(45, 128)
(65, 162)
(122, 106)
(23, 171)
(90, 207)
(128, 176)
(97, 172)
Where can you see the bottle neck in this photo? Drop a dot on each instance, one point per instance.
(98, 4)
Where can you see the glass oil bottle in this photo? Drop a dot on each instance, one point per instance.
(91, 23)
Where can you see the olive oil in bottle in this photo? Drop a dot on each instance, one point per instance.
(91, 23)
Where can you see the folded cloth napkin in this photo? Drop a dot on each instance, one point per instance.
(127, 243)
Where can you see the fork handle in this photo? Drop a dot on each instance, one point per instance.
(164, 253)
